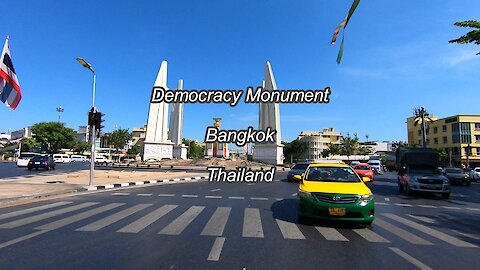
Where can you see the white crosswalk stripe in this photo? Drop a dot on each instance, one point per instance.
(370, 236)
(289, 230)
(97, 225)
(252, 224)
(32, 219)
(31, 210)
(437, 234)
(423, 219)
(217, 222)
(71, 219)
(148, 219)
(331, 234)
(410, 237)
(177, 226)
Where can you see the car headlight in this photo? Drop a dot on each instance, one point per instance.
(304, 194)
(446, 181)
(365, 199)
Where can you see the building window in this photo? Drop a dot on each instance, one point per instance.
(456, 151)
(419, 142)
(477, 138)
(478, 151)
(477, 126)
(419, 132)
(435, 130)
(427, 130)
(444, 128)
(428, 141)
(461, 133)
(445, 139)
(435, 140)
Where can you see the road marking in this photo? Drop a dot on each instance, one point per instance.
(426, 206)
(469, 235)
(473, 209)
(451, 207)
(120, 194)
(20, 239)
(258, 199)
(437, 234)
(331, 234)
(145, 221)
(32, 219)
(236, 198)
(278, 199)
(410, 259)
(144, 194)
(83, 215)
(215, 189)
(189, 196)
(289, 230)
(410, 237)
(212, 197)
(370, 236)
(424, 219)
(250, 184)
(177, 226)
(252, 224)
(217, 222)
(216, 249)
(387, 199)
(97, 225)
(166, 195)
(404, 204)
(33, 209)
(294, 194)
(381, 203)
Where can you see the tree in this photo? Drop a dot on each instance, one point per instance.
(53, 136)
(29, 145)
(349, 146)
(81, 147)
(364, 150)
(332, 150)
(295, 149)
(135, 150)
(119, 138)
(194, 149)
(422, 117)
(472, 36)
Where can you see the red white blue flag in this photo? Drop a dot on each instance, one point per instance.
(10, 92)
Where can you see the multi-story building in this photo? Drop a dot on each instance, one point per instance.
(319, 141)
(83, 134)
(453, 134)
(22, 133)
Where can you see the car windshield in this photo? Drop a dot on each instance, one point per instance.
(453, 171)
(477, 170)
(362, 167)
(332, 174)
(302, 167)
(425, 171)
(40, 158)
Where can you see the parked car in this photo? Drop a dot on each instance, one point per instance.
(24, 158)
(61, 158)
(41, 162)
(79, 158)
(475, 174)
(364, 170)
(299, 169)
(457, 176)
(354, 163)
(102, 160)
(376, 165)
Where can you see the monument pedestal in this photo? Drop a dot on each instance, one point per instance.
(157, 150)
(180, 151)
(268, 153)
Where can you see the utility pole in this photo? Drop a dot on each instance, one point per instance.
(60, 111)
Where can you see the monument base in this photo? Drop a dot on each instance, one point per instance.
(180, 151)
(268, 153)
(157, 151)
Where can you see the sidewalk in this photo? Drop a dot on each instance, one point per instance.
(24, 188)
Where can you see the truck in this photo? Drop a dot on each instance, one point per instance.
(418, 171)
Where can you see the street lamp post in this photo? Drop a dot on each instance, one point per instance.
(60, 111)
(86, 65)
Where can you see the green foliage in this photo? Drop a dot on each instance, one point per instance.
(119, 138)
(364, 150)
(194, 149)
(81, 147)
(472, 36)
(332, 150)
(53, 136)
(295, 149)
(443, 154)
(6, 154)
(422, 117)
(349, 146)
(135, 150)
(30, 145)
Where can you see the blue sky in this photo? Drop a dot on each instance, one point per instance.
(397, 57)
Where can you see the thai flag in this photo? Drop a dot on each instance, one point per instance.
(10, 92)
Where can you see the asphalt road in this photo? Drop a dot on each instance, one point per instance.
(208, 225)
(9, 170)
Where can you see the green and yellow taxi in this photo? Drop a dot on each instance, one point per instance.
(335, 192)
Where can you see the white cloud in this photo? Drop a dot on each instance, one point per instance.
(461, 56)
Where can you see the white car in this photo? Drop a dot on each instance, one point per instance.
(79, 158)
(103, 160)
(24, 158)
(61, 158)
(475, 174)
(376, 165)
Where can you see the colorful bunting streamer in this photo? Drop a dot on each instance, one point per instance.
(343, 24)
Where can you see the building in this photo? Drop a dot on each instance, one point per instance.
(138, 136)
(319, 141)
(83, 134)
(22, 133)
(453, 134)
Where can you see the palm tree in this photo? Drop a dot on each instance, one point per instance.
(472, 36)
(422, 117)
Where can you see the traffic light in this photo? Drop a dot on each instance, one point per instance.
(98, 121)
(92, 117)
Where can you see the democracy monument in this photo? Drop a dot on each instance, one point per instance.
(166, 143)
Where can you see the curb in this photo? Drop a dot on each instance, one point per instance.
(128, 184)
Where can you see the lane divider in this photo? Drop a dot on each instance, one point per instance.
(139, 183)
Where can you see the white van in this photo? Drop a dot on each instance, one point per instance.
(376, 165)
(103, 160)
(61, 158)
(24, 158)
(78, 158)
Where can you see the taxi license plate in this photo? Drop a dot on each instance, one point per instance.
(337, 211)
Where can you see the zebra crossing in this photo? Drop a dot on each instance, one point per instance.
(137, 217)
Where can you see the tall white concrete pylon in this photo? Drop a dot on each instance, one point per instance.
(175, 131)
